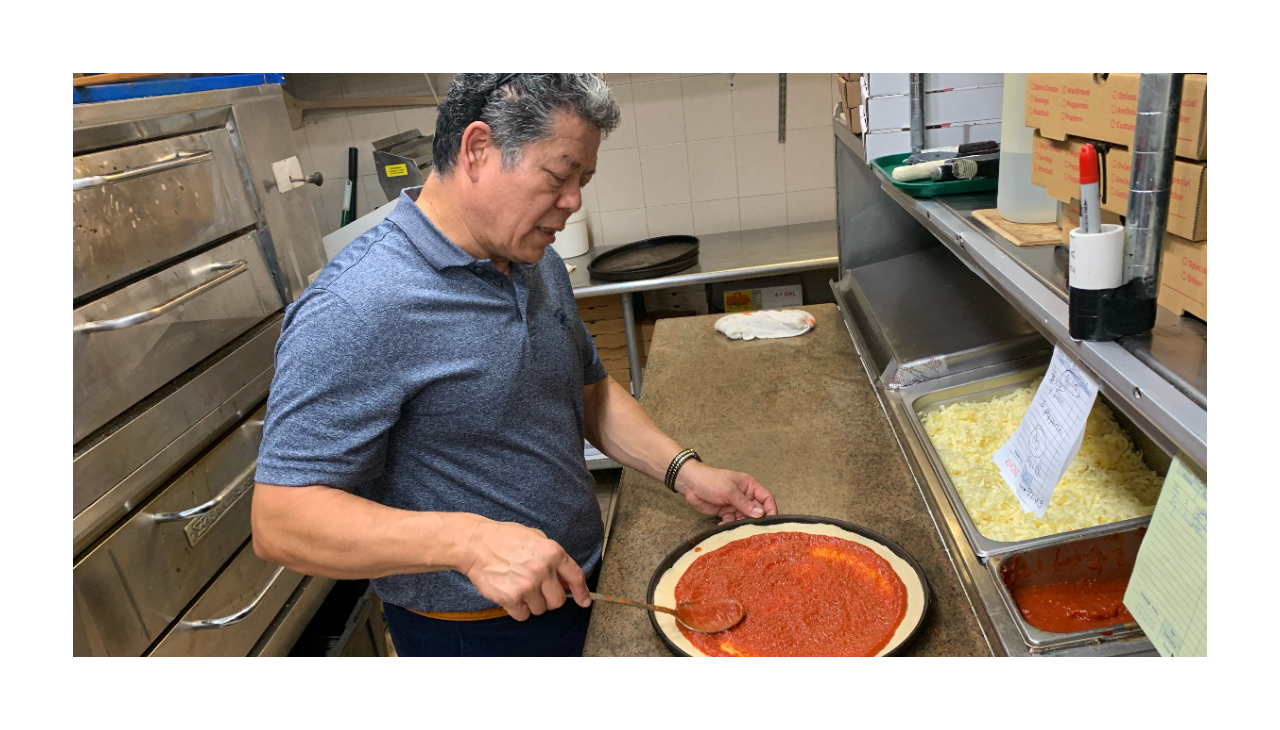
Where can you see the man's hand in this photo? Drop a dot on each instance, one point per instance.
(523, 571)
(729, 495)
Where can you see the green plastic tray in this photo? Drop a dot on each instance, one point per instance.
(929, 188)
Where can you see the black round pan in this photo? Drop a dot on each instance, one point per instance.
(647, 259)
(697, 540)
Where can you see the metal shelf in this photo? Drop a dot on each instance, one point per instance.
(1160, 376)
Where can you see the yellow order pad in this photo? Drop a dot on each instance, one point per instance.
(1167, 593)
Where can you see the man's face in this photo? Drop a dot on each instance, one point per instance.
(522, 208)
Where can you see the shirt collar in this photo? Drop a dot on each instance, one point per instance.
(435, 247)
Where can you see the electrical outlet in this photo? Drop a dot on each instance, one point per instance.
(288, 174)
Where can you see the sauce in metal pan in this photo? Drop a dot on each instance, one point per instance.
(1066, 607)
(805, 595)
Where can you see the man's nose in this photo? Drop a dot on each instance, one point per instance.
(570, 199)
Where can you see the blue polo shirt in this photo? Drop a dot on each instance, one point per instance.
(420, 378)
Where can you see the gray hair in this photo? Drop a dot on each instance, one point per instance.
(520, 109)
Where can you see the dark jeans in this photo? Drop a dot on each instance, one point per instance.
(561, 632)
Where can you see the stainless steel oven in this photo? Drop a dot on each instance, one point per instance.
(187, 247)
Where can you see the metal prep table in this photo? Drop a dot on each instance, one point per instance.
(721, 257)
(1156, 384)
(750, 254)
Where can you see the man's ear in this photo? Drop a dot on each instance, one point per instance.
(477, 149)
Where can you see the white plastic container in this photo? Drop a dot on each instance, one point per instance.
(573, 240)
(1096, 258)
(1018, 199)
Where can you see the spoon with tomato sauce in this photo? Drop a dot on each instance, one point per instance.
(704, 617)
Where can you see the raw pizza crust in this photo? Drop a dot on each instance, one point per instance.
(665, 592)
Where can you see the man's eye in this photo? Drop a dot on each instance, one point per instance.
(559, 180)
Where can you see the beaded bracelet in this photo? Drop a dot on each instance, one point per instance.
(678, 462)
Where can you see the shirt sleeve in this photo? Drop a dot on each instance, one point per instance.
(332, 402)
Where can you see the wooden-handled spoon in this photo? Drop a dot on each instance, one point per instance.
(704, 617)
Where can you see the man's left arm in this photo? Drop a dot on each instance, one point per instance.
(618, 426)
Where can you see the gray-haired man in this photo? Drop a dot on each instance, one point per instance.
(434, 385)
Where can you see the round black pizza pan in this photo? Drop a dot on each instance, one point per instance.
(647, 259)
(698, 539)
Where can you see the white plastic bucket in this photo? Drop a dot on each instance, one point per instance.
(573, 241)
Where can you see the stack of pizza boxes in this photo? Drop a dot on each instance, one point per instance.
(1068, 110)
(603, 317)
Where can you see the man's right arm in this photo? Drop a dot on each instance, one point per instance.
(320, 530)
(333, 401)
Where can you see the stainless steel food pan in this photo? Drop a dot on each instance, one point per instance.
(992, 382)
(1101, 557)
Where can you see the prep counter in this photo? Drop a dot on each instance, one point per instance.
(800, 416)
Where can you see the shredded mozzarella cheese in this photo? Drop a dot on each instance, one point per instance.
(1107, 481)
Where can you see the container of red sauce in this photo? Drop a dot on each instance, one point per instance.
(1071, 592)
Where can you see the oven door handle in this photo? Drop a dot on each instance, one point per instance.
(238, 616)
(179, 159)
(232, 269)
(193, 512)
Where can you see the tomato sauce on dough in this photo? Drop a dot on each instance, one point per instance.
(805, 595)
(1079, 606)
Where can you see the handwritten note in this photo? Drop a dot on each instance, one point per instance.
(1049, 436)
(1167, 591)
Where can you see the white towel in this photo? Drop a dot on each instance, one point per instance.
(766, 324)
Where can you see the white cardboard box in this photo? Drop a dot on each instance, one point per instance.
(893, 113)
(879, 144)
(895, 84)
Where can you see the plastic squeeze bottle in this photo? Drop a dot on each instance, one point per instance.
(1018, 199)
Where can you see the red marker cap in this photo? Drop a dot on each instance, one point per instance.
(1088, 165)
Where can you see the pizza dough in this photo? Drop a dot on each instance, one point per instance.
(664, 592)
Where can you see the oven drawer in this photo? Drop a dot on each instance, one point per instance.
(234, 612)
(139, 206)
(117, 469)
(132, 341)
(133, 584)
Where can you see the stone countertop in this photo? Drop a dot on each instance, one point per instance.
(800, 416)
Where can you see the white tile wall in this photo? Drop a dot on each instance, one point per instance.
(716, 216)
(713, 169)
(365, 128)
(810, 158)
(708, 107)
(625, 135)
(328, 140)
(371, 194)
(618, 177)
(809, 101)
(730, 168)
(326, 135)
(765, 211)
(808, 206)
(666, 174)
(761, 164)
(659, 110)
(665, 220)
(623, 226)
(694, 153)
(640, 78)
(755, 103)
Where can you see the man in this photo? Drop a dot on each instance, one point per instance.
(434, 385)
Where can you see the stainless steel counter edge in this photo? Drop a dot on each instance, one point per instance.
(998, 626)
(1130, 382)
(749, 264)
(964, 568)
